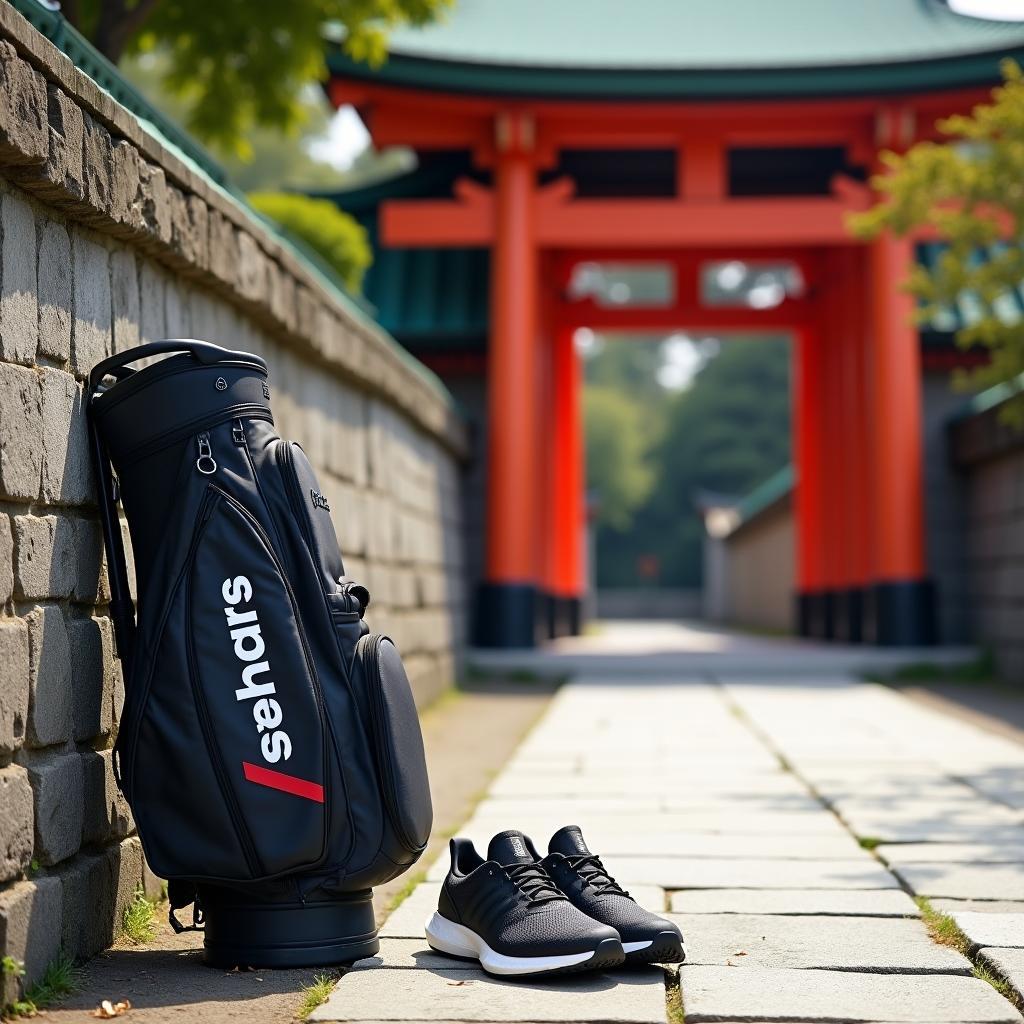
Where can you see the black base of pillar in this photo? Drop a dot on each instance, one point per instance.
(564, 616)
(816, 614)
(905, 613)
(506, 615)
(848, 615)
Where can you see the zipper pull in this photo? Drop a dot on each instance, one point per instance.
(238, 433)
(205, 462)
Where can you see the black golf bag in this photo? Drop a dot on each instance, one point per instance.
(269, 745)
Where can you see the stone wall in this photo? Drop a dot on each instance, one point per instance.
(107, 239)
(989, 455)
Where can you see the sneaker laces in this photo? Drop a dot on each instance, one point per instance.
(533, 882)
(592, 871)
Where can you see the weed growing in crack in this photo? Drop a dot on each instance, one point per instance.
(316, 993)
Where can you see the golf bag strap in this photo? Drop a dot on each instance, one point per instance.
(122, 608)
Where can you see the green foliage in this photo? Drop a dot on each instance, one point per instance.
(137, 923)
(336, 236)
(242, 63)
(316, 993)
(617, 470)
(59, 979)
(969, 189)
(726, 434)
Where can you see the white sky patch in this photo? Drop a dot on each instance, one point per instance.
(345, 139)
(682, 357)
(993, 10)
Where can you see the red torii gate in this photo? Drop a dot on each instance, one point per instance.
(861, 568)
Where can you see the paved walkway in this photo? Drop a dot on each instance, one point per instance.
(736, 803)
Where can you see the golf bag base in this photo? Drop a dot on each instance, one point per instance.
(241, 931)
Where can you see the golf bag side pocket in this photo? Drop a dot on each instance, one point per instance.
(397, 744)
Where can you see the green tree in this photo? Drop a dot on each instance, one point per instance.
(617, 470)
(237, 64)
(726, 433)
(336, 236)
(970, 189)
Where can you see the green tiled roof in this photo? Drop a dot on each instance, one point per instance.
(699, 48)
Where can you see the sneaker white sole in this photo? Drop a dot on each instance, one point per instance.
(635, 947)
(456, 940)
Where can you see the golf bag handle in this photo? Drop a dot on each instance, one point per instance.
(205, 352)
(122, 608)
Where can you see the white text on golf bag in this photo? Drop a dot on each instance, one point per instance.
(249, 648)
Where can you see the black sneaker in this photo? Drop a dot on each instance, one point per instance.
(646, 938)
(508, 914)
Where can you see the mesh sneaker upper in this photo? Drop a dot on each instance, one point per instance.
(583, 879)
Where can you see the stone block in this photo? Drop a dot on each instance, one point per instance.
(6, 559)
(24, 132)
(223, 248)
(633, 997)
(153, 203)
(64, 170)
(87, 905)
(14, 683)
(91, 683)
(55, 292)
(965, 881)
(50, 718)
(124, 186)
(97, 158)
(45, 557)
(19, 313)
(90, 341)
(89, 568)
(16, 821)
(794, 902)
(252, 268)
(21, 432)
(124, 296)
(153, 317)
(106, 815)
(992, 929)
(867, 944)
(1007, 963)
(57, 791)
(67, 462)
(728, 994)
(30, 926)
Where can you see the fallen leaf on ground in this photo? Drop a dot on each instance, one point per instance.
(457, 983)
(740, 952)
(106, 1010)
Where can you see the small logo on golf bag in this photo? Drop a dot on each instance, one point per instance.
(319, 501)
(221, 384)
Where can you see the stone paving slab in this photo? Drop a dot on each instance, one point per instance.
(1008, 963)
(781, 994)
(795, 902)
(965, 881)
(869, 944)
(753, 873)
(412, 954)
(622, 997)
(979, 906)
(1005, 930)
(713, 820)
(954, 853)
(615, 844)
